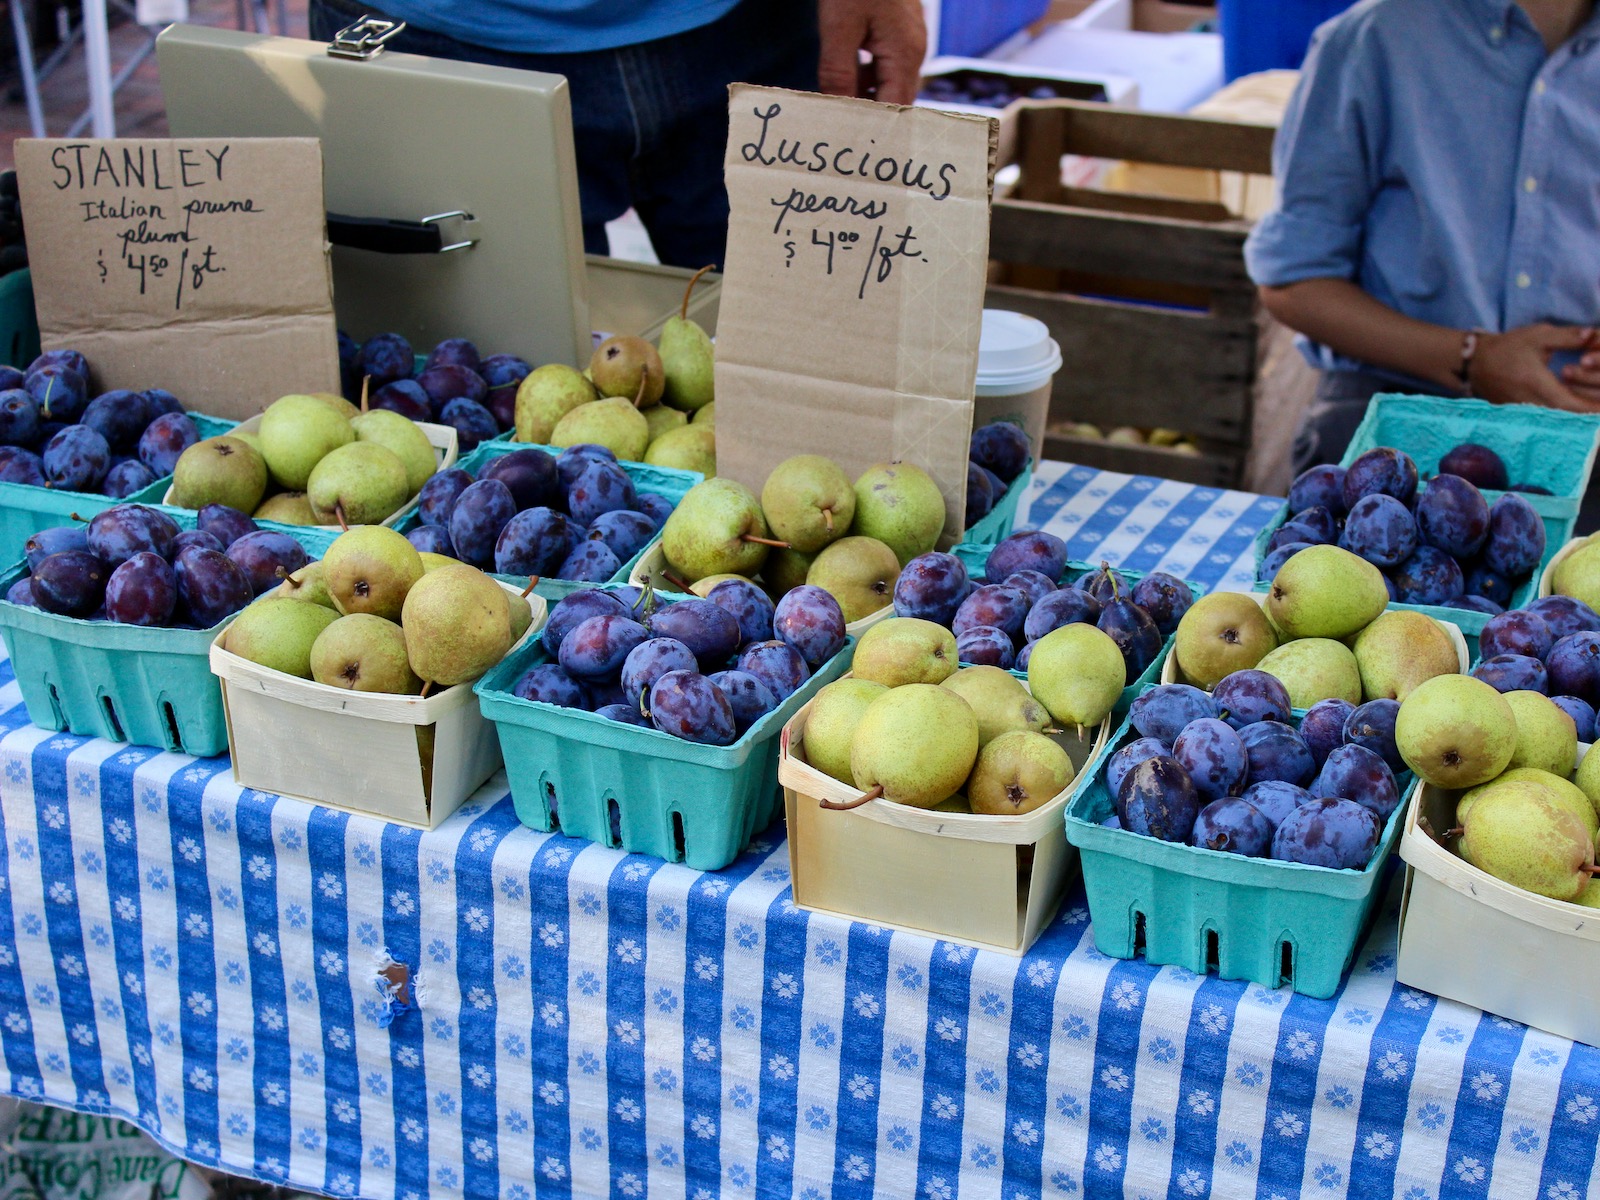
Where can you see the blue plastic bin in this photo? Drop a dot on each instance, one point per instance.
(972, 28)
(1267, 35)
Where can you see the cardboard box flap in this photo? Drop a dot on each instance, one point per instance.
(853, 291)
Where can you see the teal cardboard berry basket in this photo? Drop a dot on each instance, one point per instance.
(639, 789)
(973, 555)
(661, 481)
(26, 510)
(124, 683)
(996, 524)
(1256, 919)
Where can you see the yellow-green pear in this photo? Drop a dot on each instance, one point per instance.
(359, 484)
(278, 634)
(309, 586)
(1590, 896)
(831, 724)
(917, 742)
(432, 561)
(899, 504)
(785, 569)
(1578, 574)
(809, 502)
(1521, 836)
(401, 435)
(364, 653)
(549, 393)
(1222, 632)
(1314, 669)
(688, 448)
(1078, 673)
(219, 470)
(904, 650)
(687, 357)
(457, 623)
(287, 508)
(1000, 701)
(630, 368)
(1399, 650)
(1455, 731)
(1327, 592)
(1562, 791)
(1587, 777)
(338, 404)
(1547, 738)
(706, 416)
(702, 587)
(1017, 773)
(614, 423)
(661, 418)
(858, 572)
(371, 569)
(298, 432)
(521, 613)
(250, 438)
(716, 529)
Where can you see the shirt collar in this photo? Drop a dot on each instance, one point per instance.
(1496, 17)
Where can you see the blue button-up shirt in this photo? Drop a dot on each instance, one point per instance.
(1435, 154)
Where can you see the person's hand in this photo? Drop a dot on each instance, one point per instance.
(1514, 368)
(894, 32)
(1583, 377)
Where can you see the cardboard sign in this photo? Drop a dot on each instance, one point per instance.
(853, 291)
(197, 266)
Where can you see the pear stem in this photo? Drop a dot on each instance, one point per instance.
(827, 519)
(366, 380)
(763, 541)
(423, 694)
(533, 581)
(1590, 869)
(675, 581)
(683, 313)
(338, 511)
(1454, 832)
(865, 798)
(644, 382)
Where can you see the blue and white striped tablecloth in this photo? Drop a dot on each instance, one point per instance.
(585, 1022)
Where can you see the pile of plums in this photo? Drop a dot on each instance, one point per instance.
(54, 432)
(576, 515)
(134, 565)
(1553, 647)
(999, 452)
(997, 622)
(704, 670)
(476, 396)
(1441, 544)
(988, 89)
(1230, 771)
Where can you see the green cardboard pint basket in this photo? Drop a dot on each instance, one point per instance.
(26, 510)
(124, 683)
(661, 481)
(1256, 919)
(643, 790)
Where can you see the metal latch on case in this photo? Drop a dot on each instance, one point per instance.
(365, 39)
(438, 234)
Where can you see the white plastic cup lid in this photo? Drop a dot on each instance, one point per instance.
(1016, 354)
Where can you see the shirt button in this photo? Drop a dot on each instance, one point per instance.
(1539, 87)
(1524, 280)
(1497, 34)
(1530, 184)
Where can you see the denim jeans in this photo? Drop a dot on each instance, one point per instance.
(650, 121)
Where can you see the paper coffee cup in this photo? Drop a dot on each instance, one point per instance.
(1017, 362)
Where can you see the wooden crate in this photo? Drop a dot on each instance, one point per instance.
(1147, 295)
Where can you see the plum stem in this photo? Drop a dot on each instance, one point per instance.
(683, 313)
(338, 511)
(44, 405)
(827, 518)
(846, 806)
(763, 541)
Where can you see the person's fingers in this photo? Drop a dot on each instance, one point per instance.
(1563, 337)
(1543, 388)
(1584, 373)
(1588, 393)
(897, 48)
(842, 30)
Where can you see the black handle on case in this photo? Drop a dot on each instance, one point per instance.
(385, 236)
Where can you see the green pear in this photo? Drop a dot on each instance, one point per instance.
(1455, 731)
(1222, 632)
(706, 416)
(1546, 736)
(809, 502)
(832, 721)
(1399, 650)
(549, 393)
(955, 804)
(309, 586)
(249, 438)
(688, 360)
(359, 484)
(287, 508)
(899, 504)
(364, 653)
(689, 448)
(1314, 669)
(702, 587)
(785, 569)
(1325, 591)
(918, 743)
(709, 532)
(338, 404)
(432, 561)
(615, 424)
(858, 572)
(400, 434)
(1520, 835)
(219, 470)
(903, 650)
(1000, 701)
(1587, 777)
(457, 623)
(278, 634)
(661, 418)
(1077, 673)
(1578, 574)
(1562, 791)
(630, 368)
(371, 569)
(298, 432)
(1017, 773)
(1590, 896)
(521, 613)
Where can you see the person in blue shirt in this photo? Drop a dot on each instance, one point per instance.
(649, 84)
(1438, 222)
